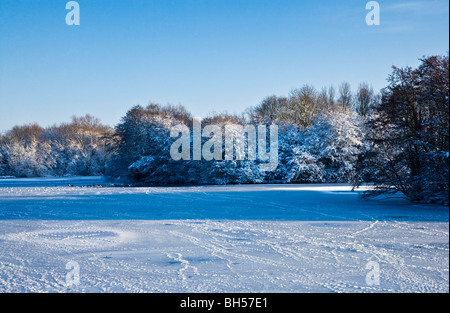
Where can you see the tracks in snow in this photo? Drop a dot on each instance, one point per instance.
(221, 256)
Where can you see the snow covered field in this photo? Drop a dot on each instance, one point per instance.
(252, 238)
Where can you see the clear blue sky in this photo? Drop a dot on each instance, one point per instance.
(209, 55)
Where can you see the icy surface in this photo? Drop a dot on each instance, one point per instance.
(255, 238)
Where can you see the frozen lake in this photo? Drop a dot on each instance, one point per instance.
(251, 238)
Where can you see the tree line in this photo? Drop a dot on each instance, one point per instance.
(396, 140)
(82, 147)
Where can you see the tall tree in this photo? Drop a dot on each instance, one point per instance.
(365, 99)
(409, 134)
(345, 95)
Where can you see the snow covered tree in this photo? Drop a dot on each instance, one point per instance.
(335, 141)
(143, 152)
(296, 164)
(24, 153)
(235, 167)
(409, 134)
(79, 147)
(76, 148)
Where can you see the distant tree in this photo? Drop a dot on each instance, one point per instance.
(296, 163)
(24, 154)
(322, 100)
(271, 109)
(235, 171)
(345, 96)
(76, 148)
(331, 96)
(26, 134)
(365, 99)
(143, 151)
(80, 146)
(335, 140)
(302, 106)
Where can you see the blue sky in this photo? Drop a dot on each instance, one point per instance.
(209, 55)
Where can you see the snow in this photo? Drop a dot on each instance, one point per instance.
(243, 238)
(51, 181)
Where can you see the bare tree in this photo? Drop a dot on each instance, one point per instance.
(365, 99)
(303, 106)
(322, 100)
(26, 134)
(331, 96)
(345, 95)
(269, 110)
